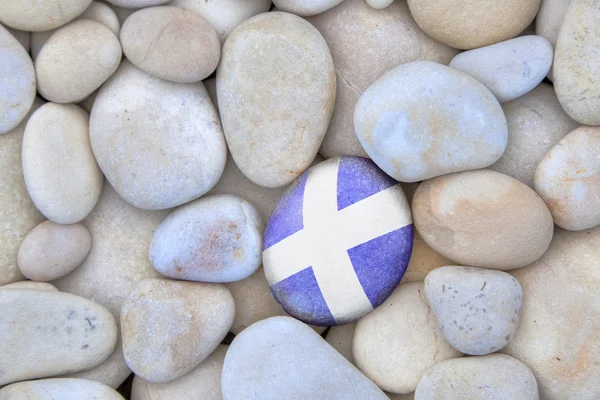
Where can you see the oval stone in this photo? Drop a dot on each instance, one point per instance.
(423, 119)
(17, 80)
(510, 68)
(576, 78)
(550, 18)
(50, 251)
(30, 285)
(338, 242)
(48, 333)
(76, 60)
(171, 43)
(568, 179)
(305, 8)
(213, 239)
(493, 377)
(59, 168)
(59, 388)
(273, 63)
(291, 359)
(40, 15)
(379, 4)
(170, 154)
(482, 218)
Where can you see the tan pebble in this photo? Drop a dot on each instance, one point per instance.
(305, 8)
(40, 15)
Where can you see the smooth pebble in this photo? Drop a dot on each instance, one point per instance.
(137, 3)
(379, 4)
(59, 388)
(341, 338)
(550, 19)
(40, 15)
(30, 285)
(305, 8)
(23, 37)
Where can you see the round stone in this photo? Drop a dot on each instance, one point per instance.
(171, 43)
(305, 8)
(483, 219)
(338, 242)
(212, 239)
(477, 309)
(493, 377)
(576, 78)
(473, 23)
(418, 121)
(379, 4)
(273, 63)
(40, 15)
(76, 60)
(568, 179)
(17, 82)
(170, 154)
(59, 388)
(59, 168)
(51, 251)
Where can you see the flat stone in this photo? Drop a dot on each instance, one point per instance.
(472, 24)
(568, 179)
(203, 382)
(338, 242)
(510, 68)
(305, 8)
(40, 15)
(483, 219)
(213, 239)
(493, 377)
(270, 64)
(477, 309)
(416, 122)
(536, 122)
(356, 49)
(186, 153)
(291, 358)
(46, 389)
(48, 333)
(169, 327)
(576, 60)
(341, 338)
(50, 251)
(60, 171)
(393, 353)
(30, 285)
(557, 338)
(17, 81)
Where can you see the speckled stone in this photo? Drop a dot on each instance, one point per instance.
(40, 15)
(169, 327)
(477, 309)
(49, 389)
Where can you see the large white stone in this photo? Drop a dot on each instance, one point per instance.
(61, 388)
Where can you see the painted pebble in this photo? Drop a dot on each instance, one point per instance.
(424, 119)
(40, 15)
(493, 377)
(305, 8)
(338, 241)
(568, 179)
(59, 388)
(47, 333)
(510, 68)
(213, 239)
(50, 251)
(477, 309)
(292, 360)
(169, 327)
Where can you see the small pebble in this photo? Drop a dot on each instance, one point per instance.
(169, 327)
(41, 15)
(550, 19)
(341, 339)
(379, 4)
(305, 8)
(30, 285)
(23, 37)
(61, 388)
(137, 3)
(50, 251)
(477, 309)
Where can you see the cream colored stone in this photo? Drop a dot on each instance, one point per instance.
(379, 4)
(577, 55)
(169, 327)
(493, 377)
(76, 60)
(46, 333)
(40, 15)
(473, 23)
(224, 15)
(203, 382)
(49, 389)
(341, 338)
(18, 215)
(50, 251)
(362, 51)
(29, 285)
(536, 122)
(170, 154)
(396, 344)
(305, 8)
(171, 43)
(416, 122)
(550, 19)
(482, 218)
(88, 102)
(568, 179)
(558, 337)
(17, 82)
(271, 64)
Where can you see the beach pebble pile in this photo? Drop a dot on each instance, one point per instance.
(299, 199)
